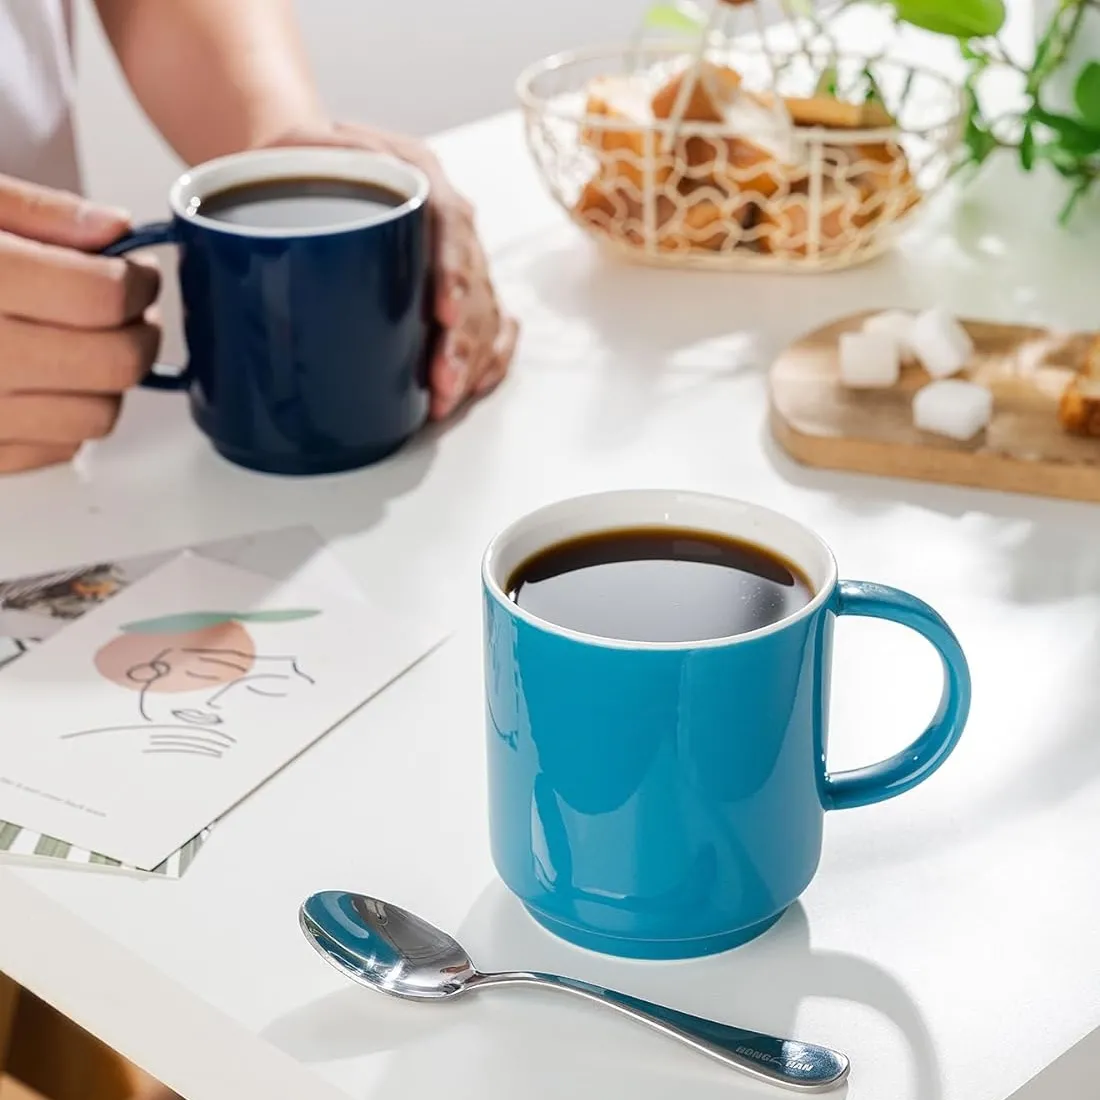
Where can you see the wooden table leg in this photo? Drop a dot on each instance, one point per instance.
(9, 995)
(44, 1050)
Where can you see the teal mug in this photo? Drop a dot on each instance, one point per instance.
(666, 800)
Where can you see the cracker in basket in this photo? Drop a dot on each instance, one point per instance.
(734, 164)
(715, 88)
(620, 106)
(758, 156)
(699, 217)
(833, 113)
(610, 208)
(783, 225)
(624, 110)
(880, 170)
(707, 218)
(615, 208)
(885, 160)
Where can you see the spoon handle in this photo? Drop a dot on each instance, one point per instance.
(802, 1067)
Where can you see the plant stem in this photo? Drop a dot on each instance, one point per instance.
(1002, 57)
(1055, 44)
(1079, 190)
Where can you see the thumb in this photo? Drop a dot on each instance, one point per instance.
(57, 217)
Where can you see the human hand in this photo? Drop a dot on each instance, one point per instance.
(478, 340)
(73, 336)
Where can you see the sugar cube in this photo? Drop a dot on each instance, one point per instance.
(952, 407)
(940, 343)
(895, 323)
(868, 360)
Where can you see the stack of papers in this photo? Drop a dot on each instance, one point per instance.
(141, 701)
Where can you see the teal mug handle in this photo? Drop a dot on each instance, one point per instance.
(145, 236)
(913, 765)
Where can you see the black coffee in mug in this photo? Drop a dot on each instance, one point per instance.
(302, 203)
(659, 584)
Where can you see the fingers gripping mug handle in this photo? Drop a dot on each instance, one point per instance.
(916, 763)
(141, 236)
(145, 236)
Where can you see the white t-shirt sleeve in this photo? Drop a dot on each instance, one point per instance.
(36, 93)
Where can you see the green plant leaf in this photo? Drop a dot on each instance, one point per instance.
(873, 93)
(1063, 162)
(1027, 148)
(1042, 53)
(1086, 94)
(978, 139)
(1055, 42)
(673, 17)
(958, 18)
(979, 142)
(826, 82)
(1074, 136)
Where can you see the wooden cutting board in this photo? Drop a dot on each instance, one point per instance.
(819, 422)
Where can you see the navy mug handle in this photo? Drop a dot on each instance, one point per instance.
(144, 236)
(913, 765)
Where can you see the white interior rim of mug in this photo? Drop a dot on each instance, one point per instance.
(256, 166)
(633, 508)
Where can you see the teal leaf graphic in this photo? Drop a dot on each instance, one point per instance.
(179, 624)
(201, 620)
(276, 616)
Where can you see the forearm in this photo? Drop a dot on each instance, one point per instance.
(215, 76)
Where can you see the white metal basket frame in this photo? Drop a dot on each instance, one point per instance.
(938, 138)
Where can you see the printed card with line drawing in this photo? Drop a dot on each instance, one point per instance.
(35, 607)
(145, 720)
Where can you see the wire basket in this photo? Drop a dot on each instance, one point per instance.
(672, 190)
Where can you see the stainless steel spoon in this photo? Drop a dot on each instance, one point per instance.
(386, 948)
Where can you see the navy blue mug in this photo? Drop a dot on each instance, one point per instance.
(307, 347)
(666, 800)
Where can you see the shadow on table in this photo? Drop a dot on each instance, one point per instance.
(1054, 558)
(616, 323)
(504, 1033)
(310, 500)
(646, 335)
(159, 459)
(162, 423)
(356, 1022)
(648, 316)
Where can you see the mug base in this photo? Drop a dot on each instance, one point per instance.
(308, 465)
(626, 948)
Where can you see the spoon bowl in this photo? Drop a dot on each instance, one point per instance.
(389, 949)
(384, 947)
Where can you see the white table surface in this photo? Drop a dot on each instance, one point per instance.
(950, 942)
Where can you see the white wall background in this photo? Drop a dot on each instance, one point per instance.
(418, 67)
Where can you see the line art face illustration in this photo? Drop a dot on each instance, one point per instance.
(208, 656)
